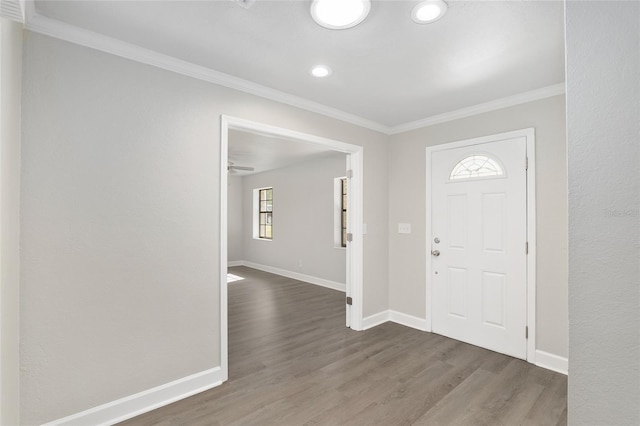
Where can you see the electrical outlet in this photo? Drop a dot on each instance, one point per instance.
(300, 263)
(404, 228)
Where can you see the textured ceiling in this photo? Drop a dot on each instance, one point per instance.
(388, 69)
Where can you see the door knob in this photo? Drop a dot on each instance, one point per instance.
(435, 252)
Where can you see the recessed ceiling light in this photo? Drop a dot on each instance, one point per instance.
(320, 71)
(339, 14)
(429, 11)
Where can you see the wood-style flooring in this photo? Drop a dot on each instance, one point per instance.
(293, 362)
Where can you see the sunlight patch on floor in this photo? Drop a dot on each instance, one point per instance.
(232, 277)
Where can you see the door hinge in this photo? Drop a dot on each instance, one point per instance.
(349, 301)
(526, 163)
(349, 237)
(349, 174)
(526, 247)
(526, 332)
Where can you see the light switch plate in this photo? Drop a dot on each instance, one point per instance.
(404, 228)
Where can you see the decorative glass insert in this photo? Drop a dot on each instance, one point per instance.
(476, 166)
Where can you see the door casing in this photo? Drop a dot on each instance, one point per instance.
(529, 135)
(354, 278)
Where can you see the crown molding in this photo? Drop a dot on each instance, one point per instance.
(13, 10)
(24, 7)
(521, 98)
(53, 28)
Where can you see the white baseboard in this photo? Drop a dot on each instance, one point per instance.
(543, 359)
(375, 319)
(142, 402)
(552, 362)
(295, 275)
(408, 320)
(232, 263)
(394, 316)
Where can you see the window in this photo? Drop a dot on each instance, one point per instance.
(264, 213)
(340, 212)
(343, 212)
(476, 166)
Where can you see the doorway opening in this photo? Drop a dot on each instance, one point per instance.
(354, 249)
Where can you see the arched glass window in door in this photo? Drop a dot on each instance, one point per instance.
(476, 166)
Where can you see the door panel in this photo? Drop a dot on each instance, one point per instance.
(493, 298)
(479, 218)
(457, 294)
(493, 222)
(457, 211)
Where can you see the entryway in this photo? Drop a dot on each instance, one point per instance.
(354, 255)
(480, 198)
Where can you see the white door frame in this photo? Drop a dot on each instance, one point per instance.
(529, 135)
(355, 207)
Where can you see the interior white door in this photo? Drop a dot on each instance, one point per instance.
(478, 257)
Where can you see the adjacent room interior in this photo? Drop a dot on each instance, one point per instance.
(292, 189)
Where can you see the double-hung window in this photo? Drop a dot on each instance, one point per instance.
(340, 212)
(265, 213)
(343, 212)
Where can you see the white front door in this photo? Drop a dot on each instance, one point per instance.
(478, 243)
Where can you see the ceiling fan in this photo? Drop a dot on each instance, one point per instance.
(232, 168)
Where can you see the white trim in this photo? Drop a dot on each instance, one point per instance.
(529, 135)
(394, 316)
(145, 401)
(427, 216)
(552, 362)
(296, 276)
(53, 28)
(224, 306)
(293, 135)
(232, 263)
(375, 320)
(28, 9)
(23, 9)
(521, 98)
(408, 320)
(542, 359)
(355, 248)
(354, 278)
(532, 240)
(63, 31)
(13, 10)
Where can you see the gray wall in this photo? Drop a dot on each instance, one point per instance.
(603, 121)
(120, 213)
(235, 227)
(303, 228)
(407, 203)
(10, 94)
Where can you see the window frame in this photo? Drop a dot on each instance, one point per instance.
(340, 222)
(343, 212)
(491, 159)
(262, 213)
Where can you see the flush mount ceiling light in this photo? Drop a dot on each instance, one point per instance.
(428, 11)
(320, 71)
(339, 14)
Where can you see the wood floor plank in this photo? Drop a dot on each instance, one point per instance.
(293, 362)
